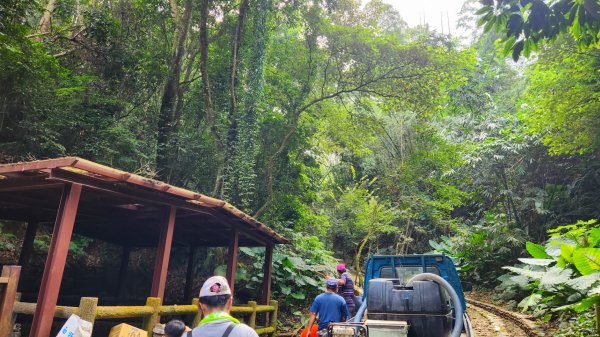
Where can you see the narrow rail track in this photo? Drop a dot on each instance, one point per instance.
(500, 329)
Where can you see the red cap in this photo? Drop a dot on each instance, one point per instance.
(341, 267)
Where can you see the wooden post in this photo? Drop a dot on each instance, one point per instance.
(267, 272)
(87, 309)
(252, 318)
(27, 247)
(10, 276)
(189, 276)
(55, 262)
(123, 271)
(198, 316)
(14, 315)
(232, 253)
(149, 321)
(273, 324)
(163, 252)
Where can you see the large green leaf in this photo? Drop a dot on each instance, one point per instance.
(310, 280)
(594, 291)
(530, 301)
(436, 246)
(594, 238)
(537, 251)
(536, 275)
(553, 248)
(554, 244)
(321, 268)
(298, 262)
(587, 260)
(298, 296)
(286, 262)
(537, 262)
(581, 306)
(520, 280)
(583, 283)
(555, 276)
(566, 252)
(249, 251)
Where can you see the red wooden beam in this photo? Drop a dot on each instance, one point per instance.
(123, 271)
(55, 262)
(27, 183)
(27, 247)
(267, 274)
(232, 253)
(189, 275)
(163, 253)
(7, 298)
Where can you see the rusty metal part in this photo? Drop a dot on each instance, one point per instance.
(519, 320)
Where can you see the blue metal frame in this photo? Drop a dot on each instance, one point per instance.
(444, 264)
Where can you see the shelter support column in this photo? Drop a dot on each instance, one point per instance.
(163, 253)
(189, 276)
(27, 247)
(267, 272)
(232, 253)
(55, 262)
(123, 271)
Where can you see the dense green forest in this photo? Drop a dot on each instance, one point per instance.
(335, 123)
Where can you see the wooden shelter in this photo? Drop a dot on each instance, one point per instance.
(79, 196)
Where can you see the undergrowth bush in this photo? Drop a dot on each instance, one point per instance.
(481, 250)
(563, 275)
(577, 326)
(299, 272)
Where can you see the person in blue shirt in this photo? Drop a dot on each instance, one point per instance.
(330, 307)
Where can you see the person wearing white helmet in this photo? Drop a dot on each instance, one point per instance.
(215, 302)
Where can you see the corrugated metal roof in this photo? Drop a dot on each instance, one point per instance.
(86, 168)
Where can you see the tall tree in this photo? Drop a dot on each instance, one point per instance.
(526, 23)
(166, 118)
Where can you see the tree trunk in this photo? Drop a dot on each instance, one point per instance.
(229, 185)
(206, 89)
(511, 202)
(271, 165)
(242, 162)
(178, 109)
(46, 20)
(359, 253)
(166, 119)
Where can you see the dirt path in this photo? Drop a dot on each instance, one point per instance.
(488, 320)
(487, 324)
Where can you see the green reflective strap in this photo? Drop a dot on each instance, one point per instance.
(216, 316)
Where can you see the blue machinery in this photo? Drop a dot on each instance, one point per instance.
(396, 266)
(404, 291)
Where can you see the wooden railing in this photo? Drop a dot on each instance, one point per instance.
(9, 279)
(90, 311)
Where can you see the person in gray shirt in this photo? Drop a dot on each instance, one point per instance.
(215, 302)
